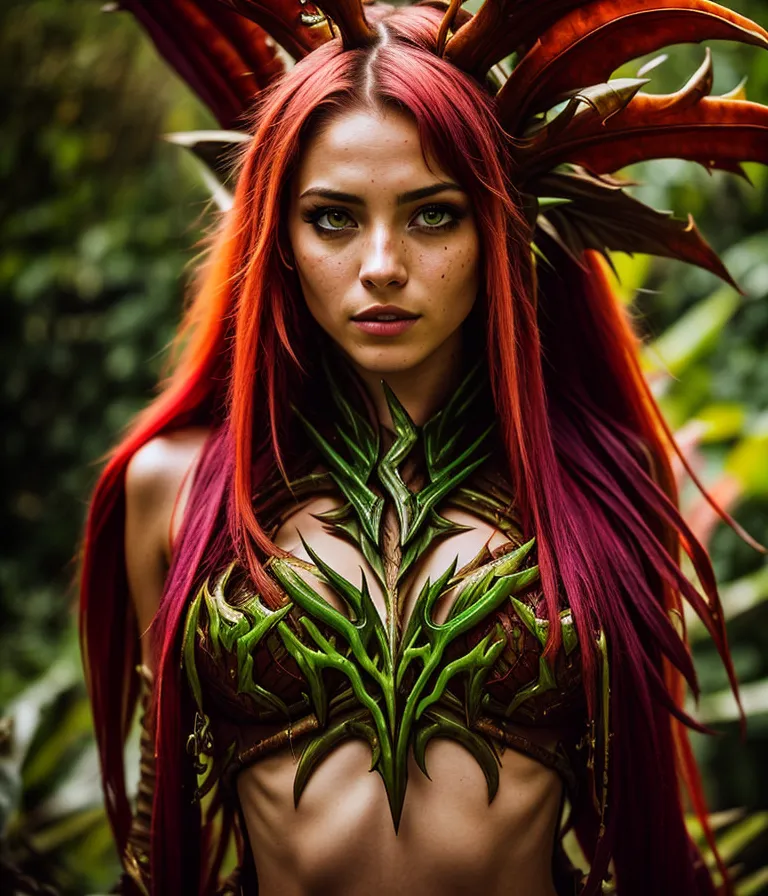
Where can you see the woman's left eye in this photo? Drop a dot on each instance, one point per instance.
(331, 220)
(436, 217)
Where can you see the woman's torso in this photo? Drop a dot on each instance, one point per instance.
(349, 829)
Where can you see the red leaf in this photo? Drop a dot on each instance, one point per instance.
(589, 44)
(225, 58)
(599, 215)
(501, 27)
(717, 132)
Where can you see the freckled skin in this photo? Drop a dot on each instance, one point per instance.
(384, 254)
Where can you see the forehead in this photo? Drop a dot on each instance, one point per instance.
(367, 152)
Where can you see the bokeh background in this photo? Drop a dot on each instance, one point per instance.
(100, 223)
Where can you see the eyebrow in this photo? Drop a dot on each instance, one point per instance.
(402, 198)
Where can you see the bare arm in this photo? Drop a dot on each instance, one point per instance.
(157, 484)
(158, 474)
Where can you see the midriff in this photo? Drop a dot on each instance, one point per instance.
(341, 841)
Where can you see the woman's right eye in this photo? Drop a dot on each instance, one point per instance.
(332, 220)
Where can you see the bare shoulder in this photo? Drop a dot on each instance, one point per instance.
(156, 485)
(158, 467)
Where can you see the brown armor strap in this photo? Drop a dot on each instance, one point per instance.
(554, 759)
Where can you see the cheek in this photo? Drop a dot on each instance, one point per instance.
(323, 274)
(453, 273)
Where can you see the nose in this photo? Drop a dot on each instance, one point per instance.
(383, 261)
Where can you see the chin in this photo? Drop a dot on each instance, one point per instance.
(386, 359)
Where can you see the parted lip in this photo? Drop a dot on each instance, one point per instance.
(374, 311)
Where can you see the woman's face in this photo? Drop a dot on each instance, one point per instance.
(386, 250)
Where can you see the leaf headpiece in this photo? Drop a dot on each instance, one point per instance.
(548, 64)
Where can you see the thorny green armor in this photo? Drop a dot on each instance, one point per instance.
(396, 684)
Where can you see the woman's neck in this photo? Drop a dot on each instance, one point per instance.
(422, 390)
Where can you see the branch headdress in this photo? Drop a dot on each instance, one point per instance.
(548, 64)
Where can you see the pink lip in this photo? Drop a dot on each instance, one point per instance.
(385, 327)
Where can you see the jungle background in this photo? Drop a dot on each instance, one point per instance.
(100, 222)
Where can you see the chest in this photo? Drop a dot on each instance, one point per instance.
(458, 611)
(411, 608)
(471, 544)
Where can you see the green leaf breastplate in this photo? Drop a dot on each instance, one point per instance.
(355, 674)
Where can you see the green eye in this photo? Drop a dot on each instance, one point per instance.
(433, 217)
(333, 219)
(437, 218)
(338, 219)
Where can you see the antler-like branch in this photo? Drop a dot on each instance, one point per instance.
(225, 58)
(349, 17)
(297, 25)
(612, 125)
(300, 26)
(590, 43)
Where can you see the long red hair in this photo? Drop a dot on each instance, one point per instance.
(585, 446)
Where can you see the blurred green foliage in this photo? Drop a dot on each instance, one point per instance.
(99, 219)
(98, 222)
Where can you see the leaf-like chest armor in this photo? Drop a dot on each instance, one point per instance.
(347, 670)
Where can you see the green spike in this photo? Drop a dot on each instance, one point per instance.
(322, 744)
(347, 525)
(476, 745)
(478, 675)
(188, 649)
(352, 482)
(362, 432)
(487, 508)
(539, 628)
(406, 437)
(441, 430)
(312, 672)
(456, 472)
(475, 584)
(423, 736)
(437, 527)
(479, 660)
(346, 590)
(546, 681)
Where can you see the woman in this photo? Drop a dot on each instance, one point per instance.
(404, 506)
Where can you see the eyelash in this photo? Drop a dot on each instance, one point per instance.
(314, 215)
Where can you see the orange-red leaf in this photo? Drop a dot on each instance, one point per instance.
(590, 43)
(501, 27)
(717, 132)
(225, 58)
(473, 47)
